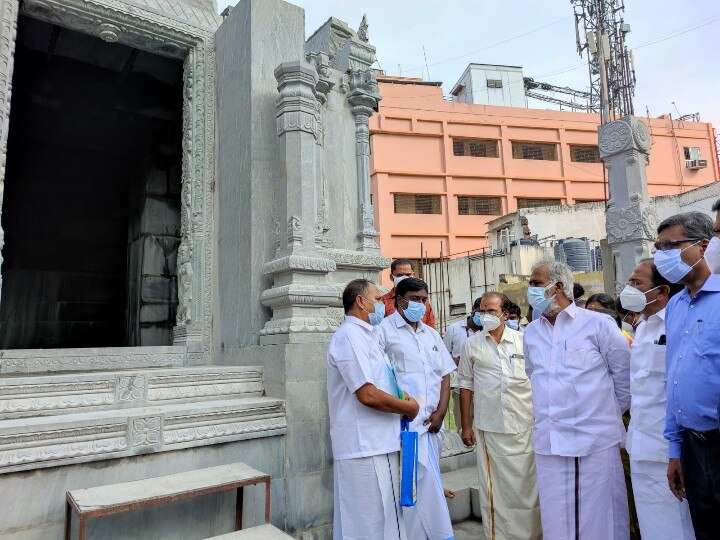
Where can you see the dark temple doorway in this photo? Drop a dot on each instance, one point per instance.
(91, 209)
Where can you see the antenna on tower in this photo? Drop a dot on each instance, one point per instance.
(601, 31)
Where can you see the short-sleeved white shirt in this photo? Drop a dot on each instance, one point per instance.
(421, 360)
(353, 360)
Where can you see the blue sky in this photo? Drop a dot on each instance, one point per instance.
(681, 67)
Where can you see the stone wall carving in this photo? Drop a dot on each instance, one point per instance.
(8, 29)
(170, 29)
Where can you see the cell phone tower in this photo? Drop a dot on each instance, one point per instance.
(601, 33)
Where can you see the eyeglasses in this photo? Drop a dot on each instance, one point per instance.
(673, 244)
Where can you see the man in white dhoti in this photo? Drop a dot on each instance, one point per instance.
(423, 366)
(578, 362)
(660, 514)
(492, 377)
(364, 423)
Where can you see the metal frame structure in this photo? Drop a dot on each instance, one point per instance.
(602, 31)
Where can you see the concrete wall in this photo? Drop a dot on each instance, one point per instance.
(412, 153)
(34, 501)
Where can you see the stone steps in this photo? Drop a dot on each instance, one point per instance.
(33, 361)
(68, 393)
(50, 441)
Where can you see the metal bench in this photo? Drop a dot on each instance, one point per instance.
(262, 532)
(116, 498)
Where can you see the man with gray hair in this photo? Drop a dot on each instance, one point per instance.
(578, 362)
(692, 423)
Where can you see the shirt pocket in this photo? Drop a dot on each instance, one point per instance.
(408, 363)
(657, 367)
(576, 352)
(434, 359)
(518, 366)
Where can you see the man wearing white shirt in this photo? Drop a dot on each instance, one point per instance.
(454, 339)
(660, 514)
(578, 362)
(364, 423)
(493, 378)
(423, 367)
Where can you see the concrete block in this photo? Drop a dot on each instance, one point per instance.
(309, 501)
(159, 289)
(156, 335)
(460, 481)
(306, 400)
(160, 216)
(159, 255)
(460, 506)
(475, 502)
(155, 313)
(305, 442)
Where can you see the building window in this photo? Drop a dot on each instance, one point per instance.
(584, 154)
(691, 152)
(528, 150)
(479, 206)
(534, 203)
(475, 147)
(494, 83)
(417, 204)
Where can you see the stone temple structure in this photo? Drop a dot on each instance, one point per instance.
(184, 196)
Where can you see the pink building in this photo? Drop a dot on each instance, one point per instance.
(461, 165)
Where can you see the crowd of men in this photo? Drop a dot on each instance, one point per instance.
(542, 399)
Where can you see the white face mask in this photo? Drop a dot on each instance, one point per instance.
(712, 255)
(490, 322)
(398, 279)
(634, 299)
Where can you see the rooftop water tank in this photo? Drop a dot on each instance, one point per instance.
(575, 252)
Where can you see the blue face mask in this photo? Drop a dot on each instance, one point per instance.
(515, 325)
(414, 311)
(538, 301)
(377, 316)
(670, 264)
(477, 319)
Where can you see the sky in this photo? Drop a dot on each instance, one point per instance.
(675, 44)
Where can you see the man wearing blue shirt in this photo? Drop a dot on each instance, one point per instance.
(693, 368)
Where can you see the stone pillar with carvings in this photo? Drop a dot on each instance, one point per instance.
(300, 295)
(630, 221)
(363, 98)
(8, 29)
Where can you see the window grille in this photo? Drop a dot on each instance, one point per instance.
(475, 147)
(479, 206)
(528, 150)
(417, 204)
(584, 154)
(534, 203)
(494, 83)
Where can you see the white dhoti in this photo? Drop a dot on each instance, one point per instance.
(660, 514)
(509, 502)
(430, 517)
(584, 497)
(366, 499)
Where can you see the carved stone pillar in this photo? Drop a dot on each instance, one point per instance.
(8, 29)
(300, 295)
(363, 98)
(630, 221)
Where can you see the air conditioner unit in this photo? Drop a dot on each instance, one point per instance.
(695, 164)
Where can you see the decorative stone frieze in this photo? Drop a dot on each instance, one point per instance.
(630, 222)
